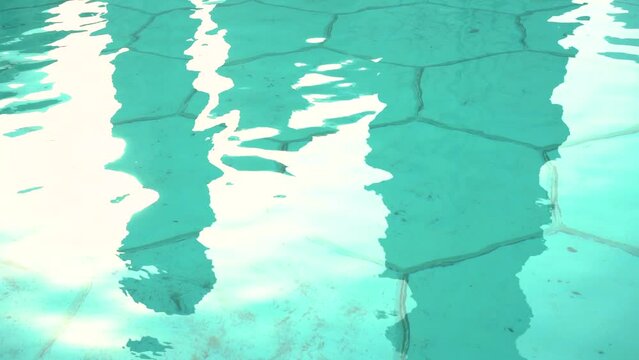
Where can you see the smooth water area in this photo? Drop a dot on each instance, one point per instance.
(336, 179)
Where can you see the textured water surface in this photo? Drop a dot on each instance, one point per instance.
(298, 179)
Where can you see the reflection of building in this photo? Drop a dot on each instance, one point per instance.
(583, 288)
(463, 199)
(423, 125)
(165, 155)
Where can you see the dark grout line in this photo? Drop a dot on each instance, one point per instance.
(263, 56)
(71, 312)
(632, 250)
(156, 54)
(403, 293)
(418, 90)
(185, 104)
(453, 260)
(523, 32)
(34, 7)
(186, 115)
(625, 3)
(130, 8)
(135, 36)
(168, 241)
(307, 138)
(614, 135)
(381, 7)
(223, 5)
(479, 57)
(553, 196)
(551, 53)
(142, 119)
(484, 135)
(93, 23)
(292, 8)
(282, 167)
(470, 9)
(368, 8)
(365, 57)
(329, 28)
(172, 10)
(408, 120)
(531, 12)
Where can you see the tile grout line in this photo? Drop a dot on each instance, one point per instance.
(631, 250)
(403, 291)
(72, 311)
(610, 136)
(159, 243)
(522, 30)
(453, 260)
(477, 133)
(419, 93)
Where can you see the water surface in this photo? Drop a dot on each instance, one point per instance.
(282, 179)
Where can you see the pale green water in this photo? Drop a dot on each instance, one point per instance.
(285, 179)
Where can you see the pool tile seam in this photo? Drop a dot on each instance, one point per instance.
(542, 150)
(419, 93)
(610, 136)
(453, 260)
(135, 36)
(328, 32)
(368, 8)
(134, 49)
(162, 242)
(31, 7)
(561, 7)
(553, 195)
(4, 263)
(477, 133)
(146, 118)
(132, 9)
(469, 8)
(557, 224)
(550, 53)
(267, 55)
(289, 7)
(630, 249)
(380, 7)
(403, 316)
(70, 314)
(232, 4)
(522, 31)
(627, 3)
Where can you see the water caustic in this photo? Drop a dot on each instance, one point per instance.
(281, 179)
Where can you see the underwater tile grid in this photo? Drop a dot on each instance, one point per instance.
(336, 179)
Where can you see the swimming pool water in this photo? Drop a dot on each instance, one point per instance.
(280, 179)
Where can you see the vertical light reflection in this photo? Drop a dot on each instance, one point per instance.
(599, 103)
(208, 52)
(61, 236)
(583, 288)
(289, 245)
(294, 245)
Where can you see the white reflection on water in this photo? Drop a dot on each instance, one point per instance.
(583, 289)
(297, 257)
(59, 241)
(599, 94)
(294, 255)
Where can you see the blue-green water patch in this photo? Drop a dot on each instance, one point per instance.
(22, 131)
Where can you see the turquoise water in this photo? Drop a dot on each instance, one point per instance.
(279, 179)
